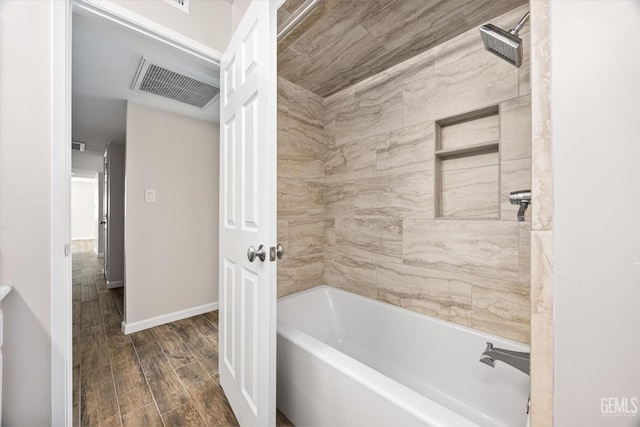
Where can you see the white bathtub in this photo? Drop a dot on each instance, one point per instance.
(347, 360)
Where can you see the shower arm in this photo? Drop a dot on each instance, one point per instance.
(520, 24)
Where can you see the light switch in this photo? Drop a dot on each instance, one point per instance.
(149, 196)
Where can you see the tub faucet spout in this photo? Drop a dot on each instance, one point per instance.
(517, 359)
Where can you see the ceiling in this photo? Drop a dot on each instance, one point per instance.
(345, 41)
(106, 57)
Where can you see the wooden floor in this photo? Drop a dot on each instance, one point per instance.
(164, 376)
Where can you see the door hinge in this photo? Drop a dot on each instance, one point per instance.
(67, 249)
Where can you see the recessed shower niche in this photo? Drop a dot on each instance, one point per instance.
(467, 184)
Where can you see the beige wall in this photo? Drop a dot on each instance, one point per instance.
(382, 237)
(238, 9)
(301, 147)
(25, 210)
(209, 21)
(171, 252)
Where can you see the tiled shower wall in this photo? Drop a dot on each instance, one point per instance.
(382, 238)
(301, 149)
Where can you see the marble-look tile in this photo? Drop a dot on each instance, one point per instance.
(306, 237)
(298, 274)
(541, 272)
(470, 193)
(283, 230)
(329, 235)
(300, 167)
(408, 195)
(500, 313)
(337, 102)
(331, 21)
(524, 252)
(339, 199)
(524, 72)
(303, 140)
(476, 81)
(541, 370)
(431, 292)
(469, 132)
(515, 128)
(377, 109)
(475, 160)
(410, 149)
(352, 160)
(515, 175)
(343, 57)
(299, 198)
(482, 248)
(373, 239)
(351, 274)
(396, 75)
(541, 148)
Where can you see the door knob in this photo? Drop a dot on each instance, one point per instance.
(279, 250)
(252, 253)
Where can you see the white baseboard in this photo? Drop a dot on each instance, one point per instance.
(115, 284)
(129, 328)
(83, 238)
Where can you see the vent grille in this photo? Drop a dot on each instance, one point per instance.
(77, 146)
(160, 81)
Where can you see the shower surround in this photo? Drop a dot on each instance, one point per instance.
(357, 188)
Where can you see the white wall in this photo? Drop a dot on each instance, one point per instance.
(596, 155)
(172, 244)
(25, 209)
(209, 22)
(84, 209)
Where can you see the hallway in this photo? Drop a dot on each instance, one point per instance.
(164, 376)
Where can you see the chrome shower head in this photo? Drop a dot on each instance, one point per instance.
(505, 44)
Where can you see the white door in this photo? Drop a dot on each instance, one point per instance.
(105, 220)
(248, 217)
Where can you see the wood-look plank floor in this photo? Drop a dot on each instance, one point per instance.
(164, 376)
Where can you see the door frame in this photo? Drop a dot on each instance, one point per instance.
(61, 42)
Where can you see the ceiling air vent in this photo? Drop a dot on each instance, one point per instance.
(77, 146)
(162, 81)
